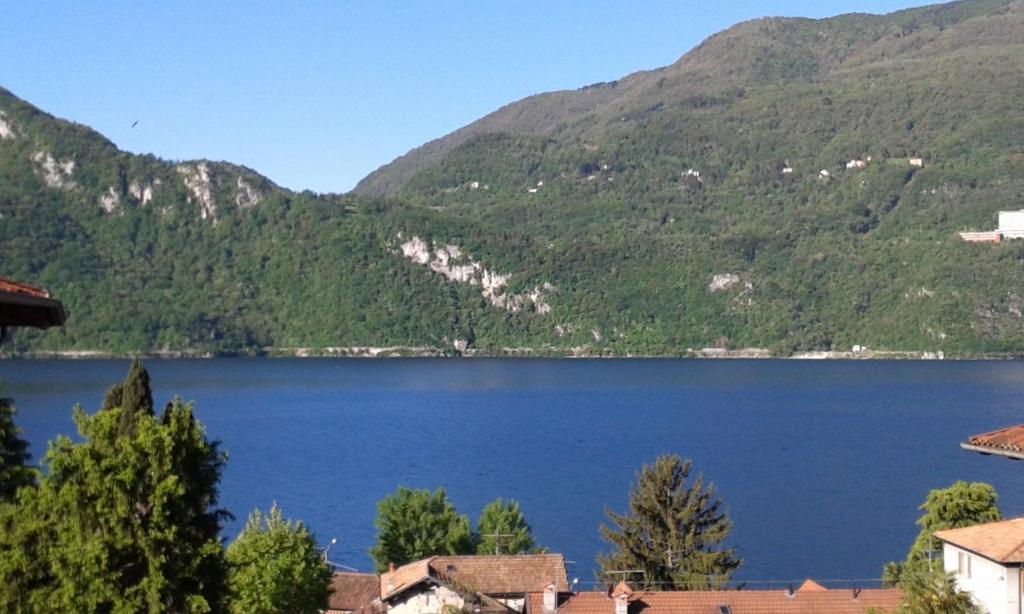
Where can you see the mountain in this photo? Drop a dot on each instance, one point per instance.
(790, 184)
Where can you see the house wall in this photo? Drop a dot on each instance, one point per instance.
(995, 588)
(1011, 220)
(430, 600)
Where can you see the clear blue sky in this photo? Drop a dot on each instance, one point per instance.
(317, 94)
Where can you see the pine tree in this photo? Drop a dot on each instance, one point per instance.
(673, 533)
(502, 529)
(414, 524)
(275, 566)
(14, 456)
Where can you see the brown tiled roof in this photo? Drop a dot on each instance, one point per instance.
(1002, 542)
(353, 590)
(836, 601)
(392, 582)
(487, 574)
(502, 574)
(16, 287)
(1009, 439)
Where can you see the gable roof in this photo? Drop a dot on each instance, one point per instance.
(808, 601)
(1007, 441)
(352, 590)
(1002, 541)
(25, 305)
(486, 574)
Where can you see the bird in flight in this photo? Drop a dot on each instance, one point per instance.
(135, 123)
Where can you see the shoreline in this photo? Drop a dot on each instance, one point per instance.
(511, 352)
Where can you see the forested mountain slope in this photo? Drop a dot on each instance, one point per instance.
(758, 192)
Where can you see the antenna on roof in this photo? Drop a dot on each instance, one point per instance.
(856, 592)
(497, 540)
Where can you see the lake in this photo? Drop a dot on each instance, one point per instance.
(822, 464)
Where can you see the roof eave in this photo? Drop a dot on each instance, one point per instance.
(18, 309)
(1011, 454)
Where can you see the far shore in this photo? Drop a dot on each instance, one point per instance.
(519, 352)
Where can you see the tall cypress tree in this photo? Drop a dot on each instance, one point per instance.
(673, 533)
(134, 397)
(14, 456)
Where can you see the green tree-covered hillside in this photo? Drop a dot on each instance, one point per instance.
(719, 201)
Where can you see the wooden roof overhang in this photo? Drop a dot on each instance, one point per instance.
(25, 305)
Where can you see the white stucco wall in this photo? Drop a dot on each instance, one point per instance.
(1011, 220)
(428, 601)
(995, 588)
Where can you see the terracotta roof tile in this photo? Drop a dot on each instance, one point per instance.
(407, 575)
(502, 574)
(488, 574)
(16, 287)
(1002, 542)
(811, 586)
(353, 590)
(836, 601)
(1010, 438)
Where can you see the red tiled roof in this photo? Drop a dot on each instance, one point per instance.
(808, 601)
(16, 287)
(352, 590)
(1002, 542)
(1008, 441)
(487, 574)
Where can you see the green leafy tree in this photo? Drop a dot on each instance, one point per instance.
(932, 591)
(673, 532)
(14, 456)
(274, 566)
(413, 524)
(960, 505)
(502, 529)
(120, 522)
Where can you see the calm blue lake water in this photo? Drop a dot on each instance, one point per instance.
(822, 464)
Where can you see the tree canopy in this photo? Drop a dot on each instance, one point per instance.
(120, 522)
(275, 566)
(14, 456)
(933, 591)
(960, 505)
(502, 529)
(413, 524)
(674, 533)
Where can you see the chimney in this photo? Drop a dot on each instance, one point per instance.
(621, 596)
(550, 598)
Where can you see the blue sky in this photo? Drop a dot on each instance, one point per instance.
(318, 94)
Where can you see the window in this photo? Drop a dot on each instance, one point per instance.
(963, 564)
(724, 609)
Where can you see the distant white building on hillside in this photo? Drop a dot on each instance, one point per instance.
(1011, 226)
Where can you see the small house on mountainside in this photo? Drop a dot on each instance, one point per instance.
(1011, 226)
(988, 562)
